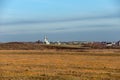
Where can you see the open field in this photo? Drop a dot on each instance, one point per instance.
(59, 65)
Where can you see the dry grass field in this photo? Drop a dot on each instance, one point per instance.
(59, 65)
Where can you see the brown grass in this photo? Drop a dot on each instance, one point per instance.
(59, 65)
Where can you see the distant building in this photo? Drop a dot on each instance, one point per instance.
(118, 43)
(58, 42)
(109, 44)
(46, 40)
(39, 42)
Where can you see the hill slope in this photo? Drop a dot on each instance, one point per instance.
(36, 46)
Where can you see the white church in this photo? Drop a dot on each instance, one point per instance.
(46, 40)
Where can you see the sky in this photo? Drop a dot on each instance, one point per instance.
(60, 20)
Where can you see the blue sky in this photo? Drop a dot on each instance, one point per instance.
(60, 20)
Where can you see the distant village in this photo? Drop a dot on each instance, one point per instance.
(85, 44)
(94, 44)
